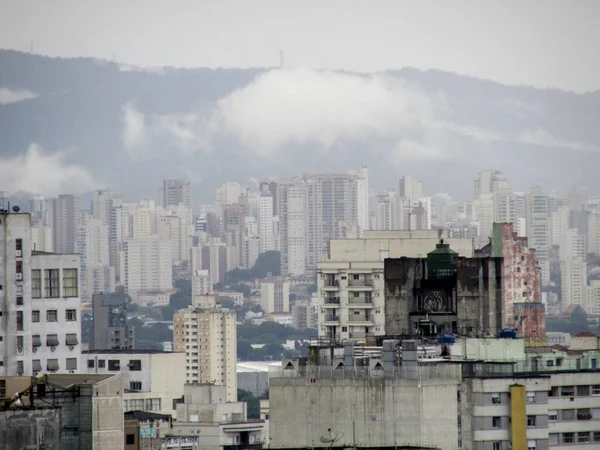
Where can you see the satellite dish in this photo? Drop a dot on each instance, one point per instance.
(16, 209)
(331, 438)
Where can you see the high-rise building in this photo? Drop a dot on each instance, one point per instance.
(538, 229)
(93, 245)
(103, 202)
(593, 237)
(42, 211)
(559, 223)
(291, 198)
(146, 264)
(386, 211)
(65, 223)
(483, 208)
(230, 193)
(572, 245)
(234, 229)
(208, 336)
(489, 181)
(410, 188)
(266, 223)
(573, 277)
(176, 192)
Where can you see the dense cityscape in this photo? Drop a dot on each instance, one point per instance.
(183, 303)
(289, 225)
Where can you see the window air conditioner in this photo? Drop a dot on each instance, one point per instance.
(71, 347)
(18, 253)
(53, 348)
(34, 349)
(19, 277)
(20, 350)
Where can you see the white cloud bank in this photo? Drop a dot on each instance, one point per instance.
(35, 172)
(317, 110)
(8, 96)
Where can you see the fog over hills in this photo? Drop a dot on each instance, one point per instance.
(71, 125)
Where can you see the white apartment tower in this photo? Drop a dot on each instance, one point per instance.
(176, 192)
(386, 210)
(538, 229)
(147, 264)
(230, 193)
(291, 197)
(208, 336)
(266, 223)
(65, 223)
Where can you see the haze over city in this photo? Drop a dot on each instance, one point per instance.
(275, 224)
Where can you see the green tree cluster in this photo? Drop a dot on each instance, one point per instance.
(267, 262)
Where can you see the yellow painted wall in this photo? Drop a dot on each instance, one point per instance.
(518, 402)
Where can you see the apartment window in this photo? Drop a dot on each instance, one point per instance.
(135, 385)
(135, 365)
(114, 365)
(19, 245)
(71, 363)
(70, 282)
(356, 294)
(567, 414)
(567, 391)
(553, 392)
(2, 389)
(153, 404)
(568, 438)
(496, 399)
(583, 391)
(52, 365)
(91, 363)
(19, 267)
(497, 445)
(19, 320)
(496, 422)
(550, 363)
(19, 300)
(584, 414)
(530, 397)
(596, 436)
(584, 437)
(51, 283)
(20, 343)
(101, 364)
(51, 315)
(552, 415)
(36, 283)
(130, 439)
(344, 329)
(596, 389)
(531, 421)
(71, 315)
(553, 438)
(356, 276)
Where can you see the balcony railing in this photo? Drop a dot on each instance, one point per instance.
(331, 318)
(360, 300)
(332, 300)
(360, 319)
(330, 283)
(362, 282)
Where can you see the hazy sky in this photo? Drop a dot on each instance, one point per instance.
(537, 42)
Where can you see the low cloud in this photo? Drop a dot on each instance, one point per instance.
(320, 111)
(8, 96)
(35, 172)
(543, 138)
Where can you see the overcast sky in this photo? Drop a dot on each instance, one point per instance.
(537, 42)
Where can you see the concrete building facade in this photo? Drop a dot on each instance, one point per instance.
(153, 380)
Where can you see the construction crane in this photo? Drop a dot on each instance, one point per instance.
(25, 393)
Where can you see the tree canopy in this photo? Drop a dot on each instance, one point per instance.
(267, 262)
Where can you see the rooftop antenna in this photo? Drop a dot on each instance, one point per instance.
(281, 59)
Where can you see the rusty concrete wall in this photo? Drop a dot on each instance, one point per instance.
(22, 429)
(477, 292)
(521, 284)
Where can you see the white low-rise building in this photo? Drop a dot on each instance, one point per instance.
(153, 379)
